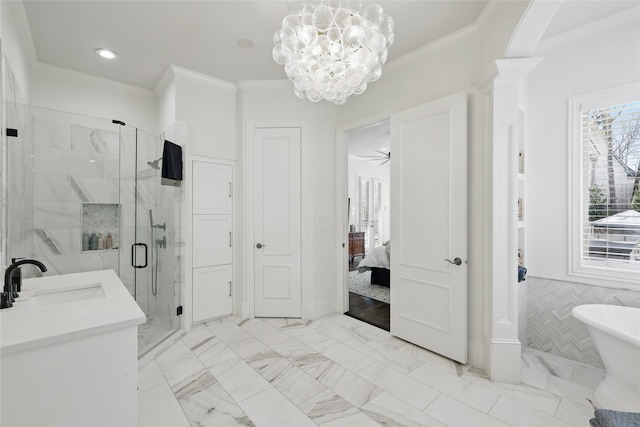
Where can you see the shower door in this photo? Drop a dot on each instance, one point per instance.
(151, 240)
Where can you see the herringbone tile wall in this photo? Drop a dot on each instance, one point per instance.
(551, 327)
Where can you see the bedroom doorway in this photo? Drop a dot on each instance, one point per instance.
(428, 176)
(368, 185)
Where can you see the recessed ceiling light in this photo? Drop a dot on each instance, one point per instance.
(106, 53)
(246, 43)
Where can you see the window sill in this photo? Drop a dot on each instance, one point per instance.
(627, 278)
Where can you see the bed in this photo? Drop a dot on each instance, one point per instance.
(377, 261)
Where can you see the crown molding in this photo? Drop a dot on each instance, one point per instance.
(435, 46)
(174, 71)
(590, 29)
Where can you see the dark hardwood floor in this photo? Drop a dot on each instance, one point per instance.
(368, 310)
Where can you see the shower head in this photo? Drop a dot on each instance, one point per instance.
(154, 164)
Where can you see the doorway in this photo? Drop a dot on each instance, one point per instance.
(428, 228)
(368, 176)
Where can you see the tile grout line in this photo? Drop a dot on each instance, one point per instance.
(311, 377)
(169, 385)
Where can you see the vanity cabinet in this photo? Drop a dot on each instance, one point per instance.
(69, 353)
(212, 237)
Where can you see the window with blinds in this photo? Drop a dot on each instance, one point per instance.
(370, 211)
(610, 165)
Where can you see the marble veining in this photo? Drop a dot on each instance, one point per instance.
(213, 407)
(268, 372)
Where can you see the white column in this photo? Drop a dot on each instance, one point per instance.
(504, 87)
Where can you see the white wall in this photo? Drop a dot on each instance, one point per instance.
(64, 90)
(16, 45)
(359, 168)
(208, 106)
(597, 62)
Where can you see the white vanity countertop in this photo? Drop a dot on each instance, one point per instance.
(36, 319)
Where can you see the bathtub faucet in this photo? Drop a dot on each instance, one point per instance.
(6, 299)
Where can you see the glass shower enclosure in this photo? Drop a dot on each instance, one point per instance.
(85, 194)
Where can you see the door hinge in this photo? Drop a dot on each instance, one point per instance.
(179, 310)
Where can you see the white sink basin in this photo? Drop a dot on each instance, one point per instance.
(44, 297)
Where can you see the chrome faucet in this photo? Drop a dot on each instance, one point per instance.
(7, 296)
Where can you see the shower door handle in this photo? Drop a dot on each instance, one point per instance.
(133, 255)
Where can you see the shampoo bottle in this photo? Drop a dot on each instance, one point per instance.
(108, 242)
(93, 242)
(100, 242)
(85, 241)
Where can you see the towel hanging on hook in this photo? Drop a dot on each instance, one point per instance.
(171, 164)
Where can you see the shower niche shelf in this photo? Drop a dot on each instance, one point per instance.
(100, 218)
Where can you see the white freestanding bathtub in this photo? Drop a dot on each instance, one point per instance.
(616, 333)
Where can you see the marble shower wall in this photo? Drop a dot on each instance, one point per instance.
(551, 327)
(75, 164)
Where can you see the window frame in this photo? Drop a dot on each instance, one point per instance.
(578, 266)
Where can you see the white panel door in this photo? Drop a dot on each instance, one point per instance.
(212, 191)
(211, 292)
(212, 240)
(429, 226)
(277, 222)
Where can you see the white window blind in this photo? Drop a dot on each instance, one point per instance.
(377, 213)
(364, 199)
(370, 211)
(610, 160)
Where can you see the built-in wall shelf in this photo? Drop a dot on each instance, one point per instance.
(521, 186)
(100, 219)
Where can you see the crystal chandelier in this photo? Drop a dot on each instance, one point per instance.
(333, 49)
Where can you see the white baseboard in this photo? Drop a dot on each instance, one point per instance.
(322, 308)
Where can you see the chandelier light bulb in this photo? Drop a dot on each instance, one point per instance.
(331, 50)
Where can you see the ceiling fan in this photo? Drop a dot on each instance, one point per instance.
(382, 155)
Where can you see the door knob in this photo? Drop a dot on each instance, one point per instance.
(260, 246)
(456, 261)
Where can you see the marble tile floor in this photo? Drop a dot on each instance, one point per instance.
(152, 332)
(339, 371)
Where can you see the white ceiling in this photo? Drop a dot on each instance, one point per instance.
(201, 35)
